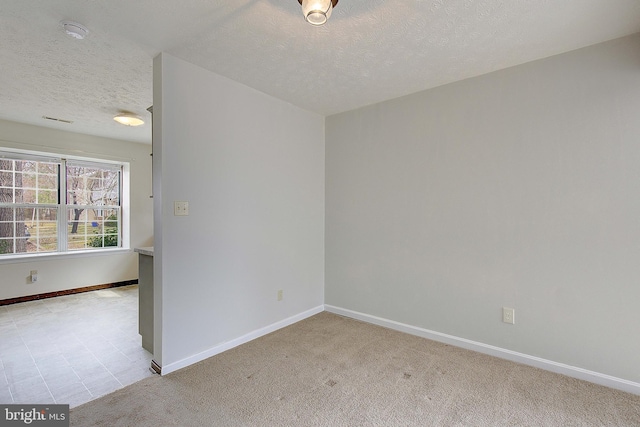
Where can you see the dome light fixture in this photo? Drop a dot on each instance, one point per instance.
(128, 119)
(75, 30)
(317, 12)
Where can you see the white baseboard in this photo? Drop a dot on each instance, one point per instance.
(548, 365)
(171, 367)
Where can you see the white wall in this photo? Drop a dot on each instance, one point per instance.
(68, 272)
(252, 169)
(519, 188)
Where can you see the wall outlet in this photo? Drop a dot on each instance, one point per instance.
(180, 208)
(508, 315)
(33, 276)
(280, 295)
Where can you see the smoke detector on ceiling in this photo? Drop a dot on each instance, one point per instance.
(75, 30)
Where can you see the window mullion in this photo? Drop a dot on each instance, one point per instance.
(62, 206)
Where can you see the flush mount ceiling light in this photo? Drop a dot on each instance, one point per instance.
(75, 30)
(316, 12)
(128, 119)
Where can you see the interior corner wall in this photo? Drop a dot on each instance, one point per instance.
(251, 168)
(64, 272)
(518, 188)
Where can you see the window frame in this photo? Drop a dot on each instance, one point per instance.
(63, 206)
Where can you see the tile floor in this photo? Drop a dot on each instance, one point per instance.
(71, 349)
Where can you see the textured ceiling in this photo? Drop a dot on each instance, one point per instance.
(370, 50)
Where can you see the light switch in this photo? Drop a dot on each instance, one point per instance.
(180, 208)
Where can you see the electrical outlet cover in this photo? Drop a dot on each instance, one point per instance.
(180, 208)
(508, 315)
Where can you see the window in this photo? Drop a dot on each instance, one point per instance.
(50, 205)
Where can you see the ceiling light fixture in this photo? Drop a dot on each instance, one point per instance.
(75, 30)
(128, 119)
(316, 12)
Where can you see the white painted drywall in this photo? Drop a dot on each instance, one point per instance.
(252, 169)
(68, 272)
(519, 188)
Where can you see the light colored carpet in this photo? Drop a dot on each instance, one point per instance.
(333, 371)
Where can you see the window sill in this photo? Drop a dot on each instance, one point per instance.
(14, 259)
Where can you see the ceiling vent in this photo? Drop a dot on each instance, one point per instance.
(57, 120)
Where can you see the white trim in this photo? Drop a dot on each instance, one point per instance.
(51, 256)
(58, 153)
(228, 345)
(514, 356)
